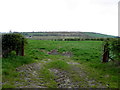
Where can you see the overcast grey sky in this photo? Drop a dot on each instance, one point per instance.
(59, 15)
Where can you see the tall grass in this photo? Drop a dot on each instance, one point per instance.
(10, 64)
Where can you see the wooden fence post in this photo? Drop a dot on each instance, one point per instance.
(22, 47)
(106, 53)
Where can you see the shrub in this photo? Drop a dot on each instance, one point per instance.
(113, 46)
(12, 42)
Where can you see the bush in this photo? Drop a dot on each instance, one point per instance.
(12, 42)
(114, 48)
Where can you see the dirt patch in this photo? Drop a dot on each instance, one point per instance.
(29, 67)
(73, 63)
(55, 52)
(68, 54)
(63, 80)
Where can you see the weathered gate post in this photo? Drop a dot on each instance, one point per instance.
(106, 53)
(22, 47)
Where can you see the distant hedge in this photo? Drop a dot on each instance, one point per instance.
(13, 42)
(81, 39)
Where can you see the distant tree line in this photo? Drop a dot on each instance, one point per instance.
(81, 39)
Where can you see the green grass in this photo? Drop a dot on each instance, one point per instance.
(87, 53)
(105, 73)
(9, 66)
(59, 64)
(48, 78)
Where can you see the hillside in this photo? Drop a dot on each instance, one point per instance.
(98, 35)
(69, 34)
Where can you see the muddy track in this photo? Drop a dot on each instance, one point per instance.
(29, 77)
(65, 79)
(86, 81)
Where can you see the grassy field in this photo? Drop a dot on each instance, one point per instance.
(87, 53)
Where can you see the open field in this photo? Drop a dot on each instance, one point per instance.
(55, 64)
